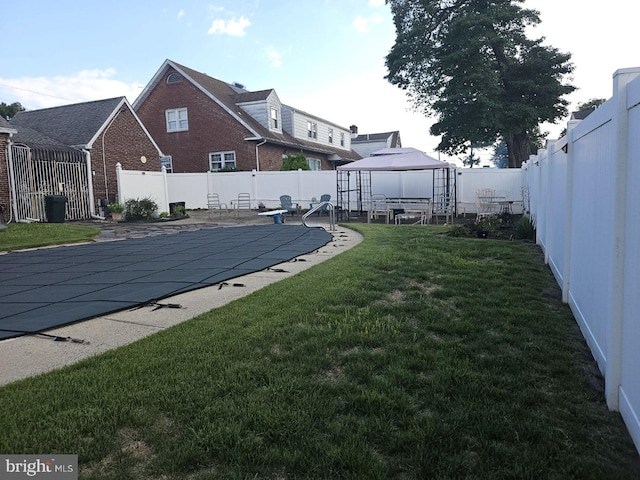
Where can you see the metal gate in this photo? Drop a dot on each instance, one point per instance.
(38, 172)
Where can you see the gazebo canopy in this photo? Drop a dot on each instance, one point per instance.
(390, 159)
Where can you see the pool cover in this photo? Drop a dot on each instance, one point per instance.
(47, 288)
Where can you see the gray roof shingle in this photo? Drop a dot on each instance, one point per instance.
(74, 124)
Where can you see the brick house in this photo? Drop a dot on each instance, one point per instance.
(6, 132)
(73, 150)
(204, 124)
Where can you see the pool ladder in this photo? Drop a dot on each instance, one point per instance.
(330, 209)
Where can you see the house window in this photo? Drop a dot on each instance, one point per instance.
(274, 118)
(222, 161)
(331, 135)
(314, 164)
(167, 163)
(312, 130)
(173, 78)
(342, 139)
(177, 120)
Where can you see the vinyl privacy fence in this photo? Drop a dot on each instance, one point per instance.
(585, 201)
(305, 187)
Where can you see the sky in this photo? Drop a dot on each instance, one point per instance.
(325, 57)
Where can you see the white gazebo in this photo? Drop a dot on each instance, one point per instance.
(354, 179)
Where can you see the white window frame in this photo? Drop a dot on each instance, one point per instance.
(312, 130)
(275, 118)
(225, 159)
(314, 164)
(342, 139)
(330, 135)
(167, 162)
(173, 78)
(177, 119)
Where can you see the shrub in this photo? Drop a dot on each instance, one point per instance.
(295, 162)
(458, 231)
(525, 228)
(140, 209)
(115, 207)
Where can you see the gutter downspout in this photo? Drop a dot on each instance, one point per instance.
(92, 203)
(104, 157)
(14, 207)
(257, 154)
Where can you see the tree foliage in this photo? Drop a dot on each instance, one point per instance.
(295, 162)
(8, 111)
(470, 64)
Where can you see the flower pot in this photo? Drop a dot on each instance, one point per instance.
(116, 216)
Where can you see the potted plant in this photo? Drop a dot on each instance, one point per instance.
(116, 210)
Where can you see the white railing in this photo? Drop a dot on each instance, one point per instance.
(586, 206)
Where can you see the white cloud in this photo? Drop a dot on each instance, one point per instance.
(180, 14)
(275, 57)
(364, 25)
(233, 27)
(86, 85)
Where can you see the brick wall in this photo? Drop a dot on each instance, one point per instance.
(4, 178)
(125, 142)
(211, 129)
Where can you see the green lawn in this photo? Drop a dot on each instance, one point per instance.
(413, 355)
(31, 235)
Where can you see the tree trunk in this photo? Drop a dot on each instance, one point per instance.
(517, 148)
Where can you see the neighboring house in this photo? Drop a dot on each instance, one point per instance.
(73, 150)
(6, 131)
(368, 143)
(204, 124)
(582, 114)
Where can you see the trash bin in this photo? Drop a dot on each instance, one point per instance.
(173, 205)
(54, 207)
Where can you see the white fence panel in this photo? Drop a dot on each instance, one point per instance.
(586, 208)
(630, 380)
(505, 181)
(590, 292)
(190, 188)
(133, 184)
(556, 212)
(543, 198)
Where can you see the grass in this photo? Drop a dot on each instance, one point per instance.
(30, 235)
(412, 355)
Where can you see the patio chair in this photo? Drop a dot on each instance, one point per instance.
(379, 207)
(213, 203)
(285, 203)
(243, 203)
(325, 197)
(486, 203)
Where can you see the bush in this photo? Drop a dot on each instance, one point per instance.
(295, 162)
(458, 231)
(140, 209)
(525, 228)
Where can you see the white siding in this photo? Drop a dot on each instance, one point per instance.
(261, 111)
(297, 125)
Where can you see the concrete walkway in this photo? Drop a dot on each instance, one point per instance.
(30, 355)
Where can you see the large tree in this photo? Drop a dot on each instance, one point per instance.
(8, 111)
(470, 64)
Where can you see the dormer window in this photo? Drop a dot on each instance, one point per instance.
(312, 130)
(331, 135)
(274, 119)
(173, 78)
